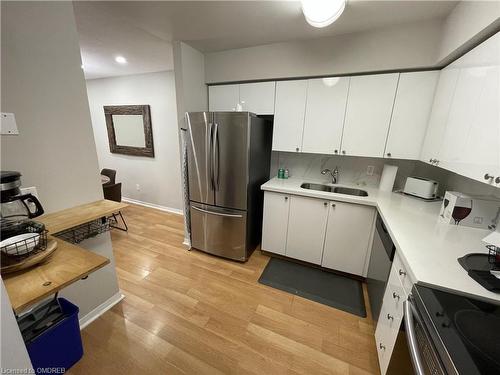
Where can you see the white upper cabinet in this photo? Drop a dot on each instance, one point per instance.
(368, 114)
(253, 97)
(306, 229)
(410, 115)
(258, 97)
(223, 97)
(348, 235)
(325, 111)
(439, 115)
(289, 113)
(472, 138)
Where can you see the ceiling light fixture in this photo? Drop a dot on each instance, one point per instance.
(321, 13)
(120, 60)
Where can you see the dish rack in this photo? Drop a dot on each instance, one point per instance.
(25, 248)
(83, 231)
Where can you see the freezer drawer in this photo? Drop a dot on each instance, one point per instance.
(219, 231)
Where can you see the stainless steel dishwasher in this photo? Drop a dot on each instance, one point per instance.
(381, 258)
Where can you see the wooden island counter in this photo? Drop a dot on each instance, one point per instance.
(68, 264)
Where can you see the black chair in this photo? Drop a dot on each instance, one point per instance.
(113, 192)
(111, 173)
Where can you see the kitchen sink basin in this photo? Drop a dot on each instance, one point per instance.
(349, 191)
(336, 189)
(319, 187)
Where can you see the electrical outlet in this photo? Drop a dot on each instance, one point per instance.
(137, 187)
(369, 170)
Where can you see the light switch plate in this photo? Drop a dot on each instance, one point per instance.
(8, 124)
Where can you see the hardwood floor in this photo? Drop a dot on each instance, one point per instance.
(186, 312)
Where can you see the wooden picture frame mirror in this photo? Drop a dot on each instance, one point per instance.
(129, 130)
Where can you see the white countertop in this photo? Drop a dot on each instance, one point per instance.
(428, 248)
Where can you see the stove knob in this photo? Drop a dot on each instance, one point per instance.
(445, 325)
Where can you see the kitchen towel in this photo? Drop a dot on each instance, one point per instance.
(388, 177)
(185, 190)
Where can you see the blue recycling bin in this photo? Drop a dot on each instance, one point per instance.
(57, 344)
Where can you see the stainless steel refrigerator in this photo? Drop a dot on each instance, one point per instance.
(229, 155)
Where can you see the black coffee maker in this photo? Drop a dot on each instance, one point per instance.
(15, 209)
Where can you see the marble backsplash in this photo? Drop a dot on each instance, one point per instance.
(353, 171)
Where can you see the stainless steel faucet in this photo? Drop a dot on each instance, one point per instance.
(334, 174)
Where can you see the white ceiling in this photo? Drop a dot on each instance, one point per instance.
(142, 31)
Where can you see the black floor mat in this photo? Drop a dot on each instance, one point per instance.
(315, 284)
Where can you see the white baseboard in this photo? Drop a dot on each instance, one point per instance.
(101, 309)
(155, 206)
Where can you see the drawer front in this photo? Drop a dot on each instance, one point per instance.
(404, 276)
(390, 319)
(394, 295)
(386, 335)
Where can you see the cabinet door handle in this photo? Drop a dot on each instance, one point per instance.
(487, 176)
(334, 205)
(497, 180)
(389, 154)
(325, 204)
(381, 346)
(297, 149)
(402, 273)
(336, 151)
(395, 295)
(286, 198)
(343, 152)
(390, 317)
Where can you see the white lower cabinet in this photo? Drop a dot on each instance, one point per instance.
(348, 235)
(274, 228)
(333, 234)
(306, 228)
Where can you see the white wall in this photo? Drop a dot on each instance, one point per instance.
(468, 22)
(158, 177)
(43, 84)
(189, 67)
(399, 47)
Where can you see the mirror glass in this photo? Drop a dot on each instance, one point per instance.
(129, 130)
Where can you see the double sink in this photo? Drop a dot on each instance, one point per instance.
(334, 189)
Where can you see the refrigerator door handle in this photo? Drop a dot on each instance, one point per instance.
(210, 160)
(214, 213)
(215, 156)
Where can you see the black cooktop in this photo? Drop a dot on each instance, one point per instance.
(468, 328)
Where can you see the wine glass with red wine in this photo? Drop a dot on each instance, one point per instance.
(462, 209)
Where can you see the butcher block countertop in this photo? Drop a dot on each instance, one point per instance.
(71, 217)
(68, 264)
